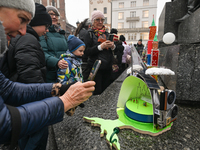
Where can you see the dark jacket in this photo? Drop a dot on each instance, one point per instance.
(91, 42)
(53, 44)
(29, 59)
(81, 36)
(119, 51)
(35, 115)
(138, 47)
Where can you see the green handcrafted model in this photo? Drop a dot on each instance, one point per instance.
(135, 109)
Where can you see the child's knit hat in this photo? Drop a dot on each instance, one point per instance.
(74, 43)
(26, 5)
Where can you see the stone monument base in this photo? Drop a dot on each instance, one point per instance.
(184, 60)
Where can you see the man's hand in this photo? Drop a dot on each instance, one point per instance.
(62, 64)
(77, 94)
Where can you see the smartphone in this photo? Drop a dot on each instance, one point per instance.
(94, 70)
(110, 37)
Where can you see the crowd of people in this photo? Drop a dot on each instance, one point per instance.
(41, 74)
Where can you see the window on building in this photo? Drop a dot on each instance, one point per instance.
(133, 14)
(105, 21)
(135, 36)
(145, 24)
(133, 3)
(129, 37)
(145, 14)
(145, 2)
(120, 25)
(121, 5)
(120, 15)
(144, 35)
(132, 24)
(95, 8)
(58, 3)
(105, 10)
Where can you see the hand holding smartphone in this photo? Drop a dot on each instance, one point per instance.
(94, 70)
(110, 37)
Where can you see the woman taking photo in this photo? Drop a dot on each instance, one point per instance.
(98, 47)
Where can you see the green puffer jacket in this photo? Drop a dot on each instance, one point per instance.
(53, 44)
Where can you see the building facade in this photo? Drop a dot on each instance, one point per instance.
(132, 18)
(105, 7)
(60, 5)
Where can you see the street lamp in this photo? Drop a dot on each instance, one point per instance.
(77, 23)
(53, 3)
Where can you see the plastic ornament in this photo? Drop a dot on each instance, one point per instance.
(169, 38)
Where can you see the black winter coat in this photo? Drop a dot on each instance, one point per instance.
(91, 42)
(119, 51)
(29, 59)
(82, 37)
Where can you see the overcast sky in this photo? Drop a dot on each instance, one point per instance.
(78, 10)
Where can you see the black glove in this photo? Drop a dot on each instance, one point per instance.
(64, 88)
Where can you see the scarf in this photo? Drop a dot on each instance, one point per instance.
(98, 32)
(57, 27)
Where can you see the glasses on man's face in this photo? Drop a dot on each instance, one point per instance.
(51, 14)
(47, 27)
(98, 20)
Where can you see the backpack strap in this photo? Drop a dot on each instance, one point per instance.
(16, 126)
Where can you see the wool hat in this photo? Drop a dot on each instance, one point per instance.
(54, 9)
(26, 5)
(74, 43)
(122, 38)
(113, 30)
(97, 14)
(41, 16)
(140, 40)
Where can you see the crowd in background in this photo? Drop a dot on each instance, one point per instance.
(40, 52)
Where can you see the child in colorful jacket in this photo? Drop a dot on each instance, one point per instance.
(73, 57)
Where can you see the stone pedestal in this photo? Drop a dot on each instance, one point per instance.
(171, 12)
(183, 55)
(184, 61)
(189, 30)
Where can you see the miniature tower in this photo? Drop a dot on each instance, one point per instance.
(155, 52)
(152, 33)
